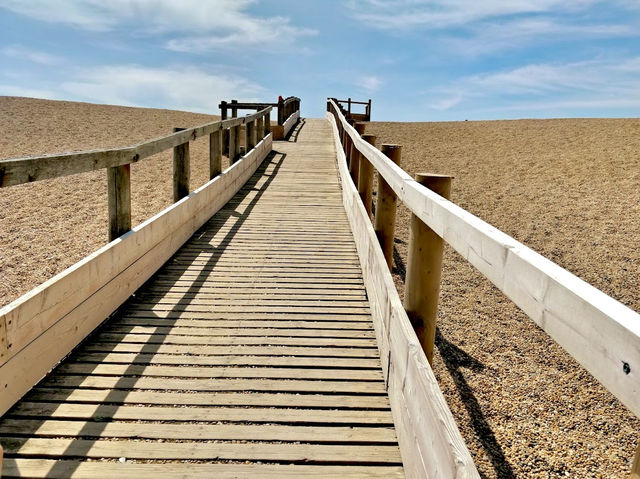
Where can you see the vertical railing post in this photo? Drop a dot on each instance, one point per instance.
(349, 106)
(424, 269)
(259, 129)
(365, 177)
(180, 170)
(225, 133)
(251, 135)
(281, 112)
(354, 166)
(267, 123)
(386, 201)
(348, 143)
(369, 110)
(234, 153)
(215, 154)
(119, 200)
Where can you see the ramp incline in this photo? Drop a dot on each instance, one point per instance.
(251, 352)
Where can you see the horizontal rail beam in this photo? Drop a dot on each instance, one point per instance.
(601, 333)
(15, 171)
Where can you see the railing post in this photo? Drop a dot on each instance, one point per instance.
(386, 201)
(267, 123)
(234, 153)
(251, 135)
(180, 170)
(215, 154)
(365, 177)
(424, 269)
(348, 144)
(119, 200)
(281, 112)
(354, 166)
(369, 110)
(349, 103)
(259, 129)
(225, 133)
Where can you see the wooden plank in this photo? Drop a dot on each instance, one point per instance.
(150, 339)
(207, 350)
(276, 400)
(239, 332)
(229, 432)
(210, 324)
(15, 171)
(38, 468)
(121, 370)
(307, 453)
(212, 385)
(430, 443)
(602, 334)
(228, 360)
(254, 415)
(181, 170)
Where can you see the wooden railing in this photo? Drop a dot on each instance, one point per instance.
(286, 108)
(41, 327)
(351, 115)
(117, 161)
(602, 334)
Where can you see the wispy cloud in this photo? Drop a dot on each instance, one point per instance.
(440, 14)
(180, 88)
(370, 84)
(597, 84)
(191, 25)
(35, 56)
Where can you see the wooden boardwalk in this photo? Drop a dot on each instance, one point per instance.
(251, 353)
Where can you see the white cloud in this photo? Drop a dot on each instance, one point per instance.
(439, 14)
(180, 88)
(194, 24)
(35, 56)
(596, 83)
(370, 83)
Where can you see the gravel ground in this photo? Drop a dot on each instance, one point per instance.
(569, 190)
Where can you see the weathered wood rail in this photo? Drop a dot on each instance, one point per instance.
(602, 334)
(287, 109)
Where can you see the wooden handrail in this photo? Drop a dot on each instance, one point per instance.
(601, 333)
(15, 171)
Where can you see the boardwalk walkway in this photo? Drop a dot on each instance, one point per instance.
(251, 353)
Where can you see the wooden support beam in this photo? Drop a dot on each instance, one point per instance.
(119, 200)
(354, 166)
(365, 177)
(281, 113)
(259, 129)
(424, 268)
(267, 124)
(386, 201)
(348, 145)
(215, 153)
(251, 135)
(236, 155)
(225, 133)
(180, 170)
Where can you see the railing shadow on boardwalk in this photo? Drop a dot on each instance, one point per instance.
(454, 359)
(118, 393)
(292, 137)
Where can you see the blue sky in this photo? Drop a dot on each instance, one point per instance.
(419, 60)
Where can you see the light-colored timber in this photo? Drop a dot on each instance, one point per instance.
(424, 268)
(251, 352)
(386, 204)
(365, 177)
